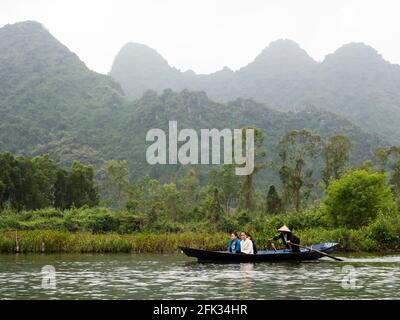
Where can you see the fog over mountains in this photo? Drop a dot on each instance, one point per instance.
(354, 81)
(50, 102)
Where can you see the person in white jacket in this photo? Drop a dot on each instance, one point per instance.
(246, 245)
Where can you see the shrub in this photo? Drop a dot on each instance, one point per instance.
(128, 222)
(355, 199)
(385, 229)
(227, 224)
(315, 217)
(168, 226)
(244, 218)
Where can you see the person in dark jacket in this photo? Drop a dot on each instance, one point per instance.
(234, 244)
(254, 244)
(287, 238)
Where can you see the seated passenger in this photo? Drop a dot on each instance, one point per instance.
(234, 244)
(287, 238)
(246, 245)
(254, 244)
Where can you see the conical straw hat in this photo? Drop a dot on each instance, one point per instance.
(284, 229)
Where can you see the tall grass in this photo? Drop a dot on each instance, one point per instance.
(84, 242)
(101, 230)
(52, 241)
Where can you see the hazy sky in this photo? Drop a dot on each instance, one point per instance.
(205, 35)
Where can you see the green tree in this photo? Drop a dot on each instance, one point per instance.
(21, 184)
(147, 195)
(62, 196)
(247, 192)
(297, 150)
(116, 185)
(273, 202)
(228, 184)
(2, 191)
(37, 183)
(9, 174)
(380, 159)
(388, 160)
(46, 177)
(172, 203)
(216, 209)
(82, 187)
(188, 188)
(335, 153)
(356, 199)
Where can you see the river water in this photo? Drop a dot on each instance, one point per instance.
(143, 276)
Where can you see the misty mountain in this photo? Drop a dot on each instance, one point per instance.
(48, 95)
(355, 82)
(141, 68)
(50, 102)
(195, 110)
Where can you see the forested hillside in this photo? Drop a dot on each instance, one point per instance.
(196, 110)
(50, 102)
(354, 81)
(308, 160)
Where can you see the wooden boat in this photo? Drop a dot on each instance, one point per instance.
(262, 255)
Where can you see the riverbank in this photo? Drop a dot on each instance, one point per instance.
(51, 241)
(100, 230)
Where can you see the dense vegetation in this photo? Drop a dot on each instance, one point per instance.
(359, 209)
(39, 183)
(195, 110)
(50, 102)
(354, 81)
(76, 178)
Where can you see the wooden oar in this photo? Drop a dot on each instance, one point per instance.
(312, 249)
(272, 245)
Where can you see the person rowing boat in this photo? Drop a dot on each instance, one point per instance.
(287, 238)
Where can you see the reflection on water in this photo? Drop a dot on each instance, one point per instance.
(177, 277)
(246, 280)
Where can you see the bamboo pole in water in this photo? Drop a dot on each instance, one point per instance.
(16, 241)
(42, 246)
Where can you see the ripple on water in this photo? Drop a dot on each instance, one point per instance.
(174, 276)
